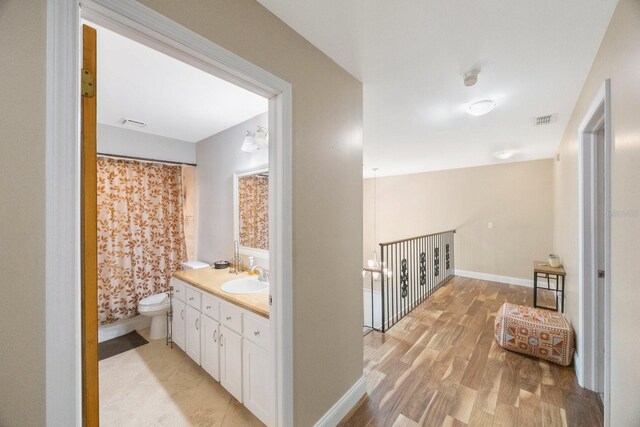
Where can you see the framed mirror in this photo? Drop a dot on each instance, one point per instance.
(251, 211)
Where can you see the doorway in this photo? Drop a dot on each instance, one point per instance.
(593, 353)
(64, 392)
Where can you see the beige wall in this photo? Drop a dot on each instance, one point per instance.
(516, 197)
(619, 59)
(327, 191)
(22, 187)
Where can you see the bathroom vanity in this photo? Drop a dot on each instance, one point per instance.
(227, 334)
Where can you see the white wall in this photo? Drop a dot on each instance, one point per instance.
(516, 198)
(126, 142)
(218, 157)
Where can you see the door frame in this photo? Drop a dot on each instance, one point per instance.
(63, 389)
(586, 354)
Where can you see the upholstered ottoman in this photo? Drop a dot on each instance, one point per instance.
(537, 332)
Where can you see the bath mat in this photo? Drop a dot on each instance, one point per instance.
(120, 344)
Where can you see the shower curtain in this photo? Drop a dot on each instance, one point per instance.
(140, 233)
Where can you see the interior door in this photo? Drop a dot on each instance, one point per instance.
(89, 239)
(601, 217)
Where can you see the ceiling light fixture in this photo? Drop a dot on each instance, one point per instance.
(503, 155)
(481, 108)
(373, 263)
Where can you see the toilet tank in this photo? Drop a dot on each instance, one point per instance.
(192, 265)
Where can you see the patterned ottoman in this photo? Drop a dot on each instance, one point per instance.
(538, 332)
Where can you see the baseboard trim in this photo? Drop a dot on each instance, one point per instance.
(123, 327)
(495, 278)
(577, 364)
(344, 405)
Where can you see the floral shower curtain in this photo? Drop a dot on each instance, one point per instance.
(253, 195)
(140, 233)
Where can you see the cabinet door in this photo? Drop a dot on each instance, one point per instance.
(193, 334)
(256, 389)
(231, 362)
(210, 349)
(178, 323)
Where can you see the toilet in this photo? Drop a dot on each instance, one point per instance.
(156, 306)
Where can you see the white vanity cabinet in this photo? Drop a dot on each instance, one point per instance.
(231, 362)
(230, 343)
(256, 368)
(178, 322)
(192, 337)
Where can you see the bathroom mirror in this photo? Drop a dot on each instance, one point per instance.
(251, 211)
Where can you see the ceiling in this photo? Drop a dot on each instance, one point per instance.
(534, 56)
(175, 99)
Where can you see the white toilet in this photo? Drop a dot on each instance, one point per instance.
(156, 307)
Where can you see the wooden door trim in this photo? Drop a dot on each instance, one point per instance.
(89, 237)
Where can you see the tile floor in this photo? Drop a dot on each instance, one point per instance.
(154, 385)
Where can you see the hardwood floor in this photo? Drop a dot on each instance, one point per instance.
(441, 366)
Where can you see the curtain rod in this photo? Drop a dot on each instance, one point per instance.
(144, 159)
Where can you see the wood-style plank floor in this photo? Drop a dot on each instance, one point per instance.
(441, 366)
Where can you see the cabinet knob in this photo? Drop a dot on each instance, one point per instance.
(228, 317)
(208, 307)
(214, 335)
(182, 314)
(221, 344)
(197, 323)
(256, 333)
(190, 298)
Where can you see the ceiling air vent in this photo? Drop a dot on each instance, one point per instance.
(545, 120)
(132, 123)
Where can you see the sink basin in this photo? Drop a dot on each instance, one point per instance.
(244, 286)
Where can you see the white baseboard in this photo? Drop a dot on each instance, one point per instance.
(343, 405)
(496, 278)
(577, 363)
(123, 327)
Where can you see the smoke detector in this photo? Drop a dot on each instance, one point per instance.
(471, 78)
(129, 123)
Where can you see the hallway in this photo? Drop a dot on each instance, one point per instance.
(441, 366)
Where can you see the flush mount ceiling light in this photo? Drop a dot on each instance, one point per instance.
(481, 108)
(503, 155)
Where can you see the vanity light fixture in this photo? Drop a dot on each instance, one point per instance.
(481, 108)
(255, 141)
(503, 155)
(249, 144)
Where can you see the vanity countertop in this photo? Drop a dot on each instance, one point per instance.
(211, 280)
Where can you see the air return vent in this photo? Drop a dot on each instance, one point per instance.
(545, 120)
(129, 123)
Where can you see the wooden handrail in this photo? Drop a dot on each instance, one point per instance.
(417, 237)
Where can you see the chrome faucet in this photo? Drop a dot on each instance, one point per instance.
(263, 275)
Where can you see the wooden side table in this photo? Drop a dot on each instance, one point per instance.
(542, 270)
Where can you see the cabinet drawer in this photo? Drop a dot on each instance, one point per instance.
(256, 330)
(231, 317)
(193, 298)
(179, 288)
(211, 306)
